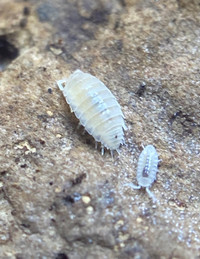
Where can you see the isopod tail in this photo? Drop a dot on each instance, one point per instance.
(60, 84)
(151, 195)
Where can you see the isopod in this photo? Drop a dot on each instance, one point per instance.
(146, 170)
(96, 108)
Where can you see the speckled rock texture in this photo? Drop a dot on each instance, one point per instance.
(59, 197)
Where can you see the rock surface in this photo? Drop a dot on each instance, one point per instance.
(59, 197)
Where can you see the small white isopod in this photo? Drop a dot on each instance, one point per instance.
(146, 170)
(96, 108)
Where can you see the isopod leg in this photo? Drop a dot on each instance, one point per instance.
(133, 186)
(111, 152)
(78, 126)
(118, 151)
(125, 127)
(102, 150)
(60, 83)
(83, 132)
(123, 142)
(151, 195)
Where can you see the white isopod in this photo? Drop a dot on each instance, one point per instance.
(96, 108)
(146, 170)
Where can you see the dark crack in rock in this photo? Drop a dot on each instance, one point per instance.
(8, 52)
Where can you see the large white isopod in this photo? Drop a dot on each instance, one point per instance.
(96, 108)
(146, 170)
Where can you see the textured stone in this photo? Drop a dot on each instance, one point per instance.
(147, 53)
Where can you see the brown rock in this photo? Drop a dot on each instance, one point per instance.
(147, 53)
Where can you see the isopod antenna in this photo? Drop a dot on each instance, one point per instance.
(60, 83)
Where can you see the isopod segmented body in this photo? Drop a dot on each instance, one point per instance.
(96, 108)
(147, 166)
(147, 169)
